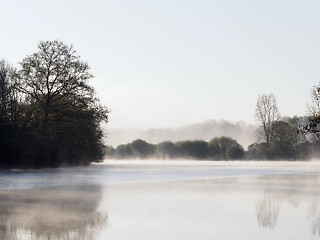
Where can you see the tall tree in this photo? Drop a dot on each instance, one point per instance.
(63, 108)
(8, 94)
(9, 111)
(56, 76)
(266, 113)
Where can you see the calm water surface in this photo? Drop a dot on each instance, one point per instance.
(163, 200)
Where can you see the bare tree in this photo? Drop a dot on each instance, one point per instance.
(266, 113)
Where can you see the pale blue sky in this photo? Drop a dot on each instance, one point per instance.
(171, 63)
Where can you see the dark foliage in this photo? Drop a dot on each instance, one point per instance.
(49, 114)
(225, 148)
(124, 151)
(166, 150)
(142, 149)
(287, 144)
(198, 149)
(235, 152)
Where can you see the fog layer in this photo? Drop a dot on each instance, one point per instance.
(243, 132)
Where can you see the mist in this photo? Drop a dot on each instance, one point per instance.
(241, 131)
(139, 200)
(52, 213)
(148, 120)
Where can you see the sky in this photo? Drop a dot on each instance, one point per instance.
(170, 63)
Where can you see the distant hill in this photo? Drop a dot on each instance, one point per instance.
(243, 132)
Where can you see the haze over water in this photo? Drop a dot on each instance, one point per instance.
(165, 69)
(163, 200)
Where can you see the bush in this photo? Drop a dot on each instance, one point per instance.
(142, 149)
(193, 149)
(166, 150)
(235, 152)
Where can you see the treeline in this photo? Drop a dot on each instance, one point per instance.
(286, 138)
(219, 148)
(288, 142)
(205, 130)
(49, 115)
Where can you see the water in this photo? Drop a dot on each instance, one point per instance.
(163, 200)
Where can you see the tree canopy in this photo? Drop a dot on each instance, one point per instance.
(58, 115)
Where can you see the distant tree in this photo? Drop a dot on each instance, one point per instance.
(214, 149)
(282, 132)
(124, 151)
(264, 150)
(313, 125)
(109, 151)
(196, 149)
(312, 128)
(235, 152)
(166, 150)
(283, 141)
(253, 152)
(295, 124)
(142, 149)
(266, 113)
(287, 142)
(218, 147)
(281, 147)
(305, 150)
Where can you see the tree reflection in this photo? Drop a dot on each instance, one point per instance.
(267, 212)
(51, 214)
(314, 217)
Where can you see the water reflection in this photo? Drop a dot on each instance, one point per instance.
(140, 206)
(65, 213)
(279, 190)
(267, 212)
(314, 217)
